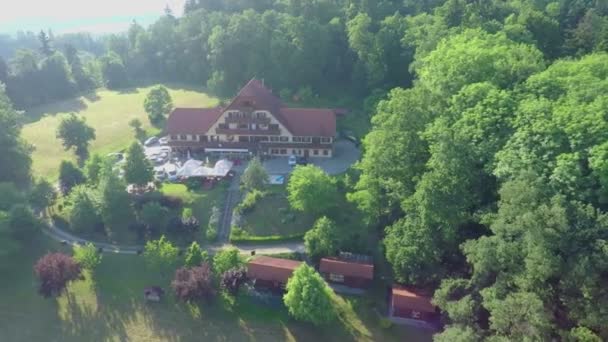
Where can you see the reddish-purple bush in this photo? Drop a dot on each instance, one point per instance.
(55, 271)
(193, 283)
(233, 279)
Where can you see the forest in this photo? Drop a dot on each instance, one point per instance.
(485, 168)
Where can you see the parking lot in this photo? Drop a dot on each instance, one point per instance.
(345, 155)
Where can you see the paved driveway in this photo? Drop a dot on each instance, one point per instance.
(345, 155)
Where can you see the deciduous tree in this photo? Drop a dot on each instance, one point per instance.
(138, 169)
(158, 105)
(309, 298)
(69, 176)
(87, 256)
(54, 272)
(255, 176)
(161, 255)
(75, 133)
(226, 259)
(323, 239)
(310, 189)
(192, 284)
(232, 280)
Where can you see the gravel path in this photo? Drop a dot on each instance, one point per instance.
(280, 248)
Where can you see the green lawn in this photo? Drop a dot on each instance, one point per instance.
(109, 112)
(272, 216)
(109, 307)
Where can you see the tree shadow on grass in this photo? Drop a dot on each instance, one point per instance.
(66, 106)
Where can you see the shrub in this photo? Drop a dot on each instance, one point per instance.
(87, 256)
(193, 283)
(249, 202)
(193, 183)
(226, 259)
(385, 323)
(214, 221)
(232, 280)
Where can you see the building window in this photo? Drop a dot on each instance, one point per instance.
(243, 126)
(243, 138)
(301, 139)
(273, 126)
(222, 126)
(315, 152)
(202, 137)
(174, 137)
(284, 139)
(325, 152)
(274, 139)
(232, 126)
(274, 151)
(338, 278)
(283, 151)
(325, 140)
(183, 137)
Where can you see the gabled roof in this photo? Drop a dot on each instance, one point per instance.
(347, 268)
(409, 298)
(310, 121)
(271, 269)
(255, 95)
(192, 120)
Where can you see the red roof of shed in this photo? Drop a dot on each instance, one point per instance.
(271, 269)
(192, 120)
(408, 298)
(347, 268)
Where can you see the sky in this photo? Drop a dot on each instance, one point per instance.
(97, 16)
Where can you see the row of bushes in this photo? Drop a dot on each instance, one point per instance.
(239, 235)
(213, 226)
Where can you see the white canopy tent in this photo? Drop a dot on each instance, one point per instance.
(195, 168)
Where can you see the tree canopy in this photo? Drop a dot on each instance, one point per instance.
(308, 297)
(158, 105)
(75, 133)
(138, 169)
(311, 189)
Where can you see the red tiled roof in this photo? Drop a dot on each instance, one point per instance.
(310, 121)
(255, 95)
(347, 268)
(412, 299)
(192, 120)
(271, 269)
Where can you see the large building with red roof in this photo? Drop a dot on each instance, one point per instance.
(255, 121)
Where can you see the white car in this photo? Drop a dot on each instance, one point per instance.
(163, 140)
(151, 141)
(292, 160)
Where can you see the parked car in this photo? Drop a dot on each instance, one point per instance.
(292, 160)
(159, 175)
(151, 141)
(302, 161)
(163, 140)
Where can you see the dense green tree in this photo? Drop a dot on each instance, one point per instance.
(195, 256)
(15, 158)
(22, 221)
(323, 239)
(226, 259)
(82, 211)
(308, 297)
(158, 104)
(255, 176)
(161, 255)
(93, 168)
(75, 133)
(42, 194)
(87, 256)
(154, 216)
(138, 169)
(11, 195)
(310, 189)
(113, 71)
(115, 205)
(69, 176)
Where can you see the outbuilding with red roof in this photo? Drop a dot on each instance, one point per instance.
(269, 272)
(410, 305)
(351, 273)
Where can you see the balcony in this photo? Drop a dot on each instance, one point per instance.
(250, 120)
(239, 131)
